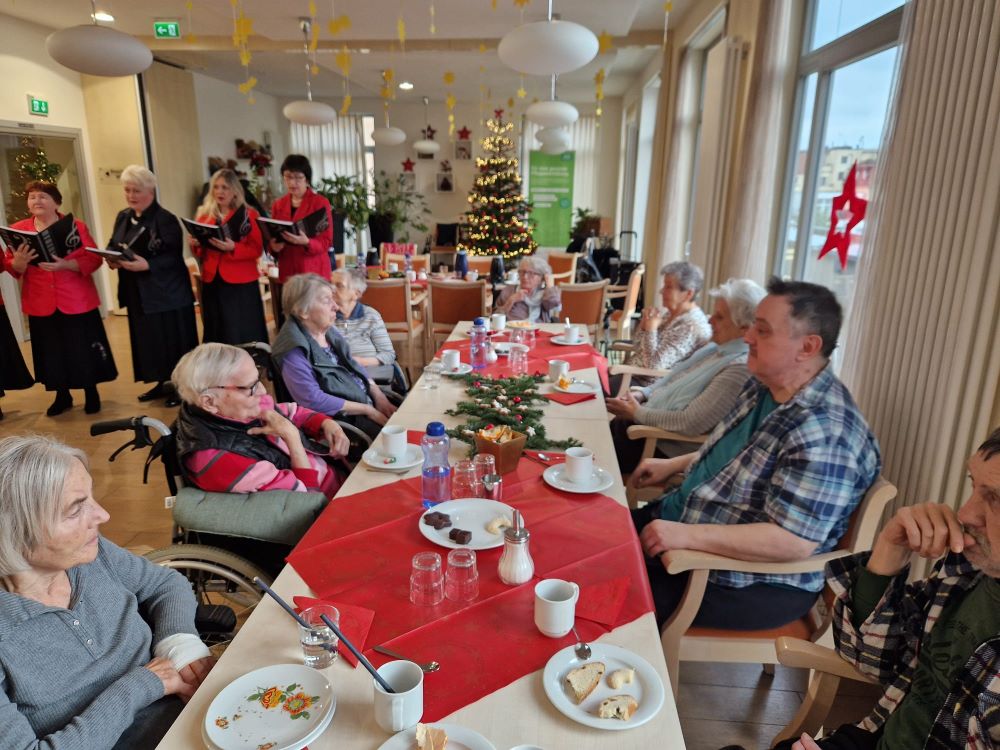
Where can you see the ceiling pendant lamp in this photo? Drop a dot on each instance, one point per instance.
(553, 140)
(306, 111)
(387, 136)
(552, 113)
(98, 50)
(427, 145)
(548, 47)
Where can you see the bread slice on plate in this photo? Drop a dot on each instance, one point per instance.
(584, 679)
(618, 707)
(431, 738)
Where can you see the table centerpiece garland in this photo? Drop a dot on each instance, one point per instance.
(504, 401)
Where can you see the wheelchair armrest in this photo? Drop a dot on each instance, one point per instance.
(795, 652)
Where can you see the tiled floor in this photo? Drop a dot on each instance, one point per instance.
(719, 704)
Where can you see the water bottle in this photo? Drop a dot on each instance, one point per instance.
(461, 264)
(436, 475)
(477, 344)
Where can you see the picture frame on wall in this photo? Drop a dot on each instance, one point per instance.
(463, 150)
(444, 182)
(408, 180)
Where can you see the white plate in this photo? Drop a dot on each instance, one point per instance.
(556, 476)
(237, 718)
(464, 368)
(576, 387)
(472, 515)
(459, 738)
(502, 348)
(646, 687)
(561, 340)
(373, 457)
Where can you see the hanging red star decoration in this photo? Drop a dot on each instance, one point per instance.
(498, 113)
(408, 164)
(429, 133)
(846, 213)
(464, 134)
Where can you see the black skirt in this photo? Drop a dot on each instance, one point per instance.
(232, 313)
(14, 373)
(71, 351)
(158, 340)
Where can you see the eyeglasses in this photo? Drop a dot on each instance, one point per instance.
(529, 273)
(250, 389)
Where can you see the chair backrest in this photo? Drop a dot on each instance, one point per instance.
(391, 297)
(481, 264)
(340, 262)
(385, 249)
(632, 290)
(448, 302)
(584, 303)
(417, 262)
(867, 517)
(563, 267)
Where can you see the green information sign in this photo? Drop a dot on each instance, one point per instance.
(167, 29)
(550, 189)
(38, 107)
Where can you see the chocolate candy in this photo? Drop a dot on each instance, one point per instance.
(460, 536)
(437, 520)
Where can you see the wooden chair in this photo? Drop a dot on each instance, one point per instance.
(417, 262)
(620, 321)
(682, 642)
(651, 435)
(481, 264)
(399, 249)
(395, 302)
(449, 302)
(585, 304)
(563, 267)
(194, 271)
(629, 371)
(340, 262)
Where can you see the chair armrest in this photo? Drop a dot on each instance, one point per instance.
(632, 370)
(795, 652)
(643, 431)
(418, 299)
(681, 560)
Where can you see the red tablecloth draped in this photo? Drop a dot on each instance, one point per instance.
(579, 356)
(359, 551)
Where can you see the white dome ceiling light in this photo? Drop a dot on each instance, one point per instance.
(553, 140)
(98, 50)
(548, 47)
(306, 111)
(552, 114)
(428, 145)
(388, 136)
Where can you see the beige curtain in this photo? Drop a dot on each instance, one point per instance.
(334, 149)
(927, 306)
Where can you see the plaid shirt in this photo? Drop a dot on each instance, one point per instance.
(887, 645)
(805, 469)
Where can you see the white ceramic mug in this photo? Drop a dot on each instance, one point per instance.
(451, 359)
(571, 334)
(472, 275)
(557, 368)
(498, 321)
(579, 465)
(555, 606)
(393, 268)
(393, 441)
(422, 275)
(411, 275)
(401, 710)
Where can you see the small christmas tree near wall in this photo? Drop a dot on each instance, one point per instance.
(499, 222)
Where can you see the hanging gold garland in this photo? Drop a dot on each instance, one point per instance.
(242, 29)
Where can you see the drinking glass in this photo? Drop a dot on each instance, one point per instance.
(432, 377)
(518, 360)
(464, 482)
(461, 580)
(319, 644)
(426, 579)
(485, 464)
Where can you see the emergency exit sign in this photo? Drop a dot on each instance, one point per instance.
(167, 29)
(39, 107)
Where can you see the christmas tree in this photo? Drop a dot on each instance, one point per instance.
(499, 222)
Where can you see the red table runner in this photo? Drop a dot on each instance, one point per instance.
(359, 552)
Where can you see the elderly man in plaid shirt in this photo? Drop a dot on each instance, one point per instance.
(776, 480)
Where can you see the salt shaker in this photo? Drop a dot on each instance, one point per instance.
(516, 566)
(491, 354)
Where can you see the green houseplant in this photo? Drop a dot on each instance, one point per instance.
(399, 209)
(348, 198)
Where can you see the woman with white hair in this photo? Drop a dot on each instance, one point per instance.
(315, 360)
(98, 647)
(532, 300)
(155, 287)
(362, 326)
(231, 307)
(697, 393)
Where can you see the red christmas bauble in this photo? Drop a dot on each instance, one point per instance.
(519, 417)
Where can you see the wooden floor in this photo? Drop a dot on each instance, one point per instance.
(719, 704)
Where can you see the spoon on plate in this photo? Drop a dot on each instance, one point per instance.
(582, 649)
(430, 666)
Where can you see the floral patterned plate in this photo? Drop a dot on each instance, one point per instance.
(281, 707)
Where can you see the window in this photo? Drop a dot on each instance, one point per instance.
(845, 86)
(368, 143)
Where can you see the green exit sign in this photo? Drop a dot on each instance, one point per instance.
(167, 29)
(38, 107)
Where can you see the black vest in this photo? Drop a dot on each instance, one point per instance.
(337, 379)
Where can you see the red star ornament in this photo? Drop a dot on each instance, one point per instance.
(464, 133)
(498, 113)
(429, 133)
(846, 213)
(408, 164)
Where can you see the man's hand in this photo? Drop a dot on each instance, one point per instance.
(223, 246)
(654, 472)
(928, 529)
(137, 265)
(296, 239)
(173, 683)
(624, 407)
(805, 742)
(336, 438)
(22, 256)
(660, 536)
(195, 673)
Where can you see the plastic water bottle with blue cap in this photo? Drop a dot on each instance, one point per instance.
(436, 475)
(478, 344)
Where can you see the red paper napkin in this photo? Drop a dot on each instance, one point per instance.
(414, 436)
(355, 622)
(550, 457)
(601, 602)
(569, 398)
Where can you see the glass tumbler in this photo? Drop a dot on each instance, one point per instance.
(485, 464)
(518, 361)
(319, 644)
(464, 482)
(461, 580)
(432, 377)
(426, 579)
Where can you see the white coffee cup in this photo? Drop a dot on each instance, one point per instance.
(422, 275)
(394, 268)
(393, 441)
(451, 359)
(472, 275)
(555, 606)
(579, 465)
(402, 709)
(571, 334)
(557, 368)
(411, 275)
(498, 321)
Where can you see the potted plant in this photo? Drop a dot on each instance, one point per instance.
(399, 208)
(348, 198)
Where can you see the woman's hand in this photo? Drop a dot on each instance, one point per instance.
(139, 264)
(113, 264)
(295, 239)
(383, 404)
(22, 256)
(276, 246)
(223, 246)
(193, 244)
(623, 407)
(652, 318)
(195, 673)
(929, 529)
(336, 438)
(277, 425)
(60, 265)
(173, 683)
(805, 742)
(376, 416)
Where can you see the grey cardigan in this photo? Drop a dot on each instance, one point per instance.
(75, 678)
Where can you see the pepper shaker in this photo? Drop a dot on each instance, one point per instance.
(516, 566)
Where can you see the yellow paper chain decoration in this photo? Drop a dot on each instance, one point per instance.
(605, 43)
(667, 7)
(189, 6)
(433, 26)
(343, 61)
(346, 106)
(339, 24)
(242, 29)
(599, 94)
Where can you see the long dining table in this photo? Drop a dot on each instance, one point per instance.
(518, 713)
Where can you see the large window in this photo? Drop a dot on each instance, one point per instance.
(845, 87)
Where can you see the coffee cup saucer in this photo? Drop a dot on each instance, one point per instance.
(599, 480)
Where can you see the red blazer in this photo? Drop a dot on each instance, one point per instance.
(239, 266)
(311, 258)
(69, 292)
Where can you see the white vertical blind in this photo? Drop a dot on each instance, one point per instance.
(927, 362)
(583, 141)
(334, 149)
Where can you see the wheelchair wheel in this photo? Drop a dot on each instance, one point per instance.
(218, 577)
